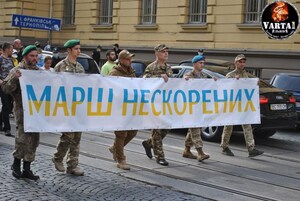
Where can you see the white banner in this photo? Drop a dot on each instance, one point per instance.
(56, 102)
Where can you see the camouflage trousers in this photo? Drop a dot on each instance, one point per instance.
(69, 142)
(248, 135)
(121, 140)
(25, 144)
(156, 142)
(193, 138)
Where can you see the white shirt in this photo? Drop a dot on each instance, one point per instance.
(51, 69)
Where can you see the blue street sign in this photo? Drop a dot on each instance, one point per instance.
(33, 22)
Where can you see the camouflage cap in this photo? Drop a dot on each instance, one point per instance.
(71, 43)
(28, 49)
(125, 54)
(160, 47)
(239, 57)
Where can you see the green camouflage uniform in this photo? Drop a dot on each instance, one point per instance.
(122, 137)
(25, 143)
(69, 141)
(155, 70)
(193, 136)
(248, 134)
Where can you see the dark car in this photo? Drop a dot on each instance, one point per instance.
(139, 66)
(88, 63)
(291, 83)
(277, 106)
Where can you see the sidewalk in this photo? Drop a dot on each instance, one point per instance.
(98, 184)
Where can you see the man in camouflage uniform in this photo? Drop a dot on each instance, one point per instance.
(158, 68)
(25, 143)
(239, 72)
(193, 137)
(122, 138)
(6, 64)
(69, 141)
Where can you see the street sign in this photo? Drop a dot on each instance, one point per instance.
(33, 22)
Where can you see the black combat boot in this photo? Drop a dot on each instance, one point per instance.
(27, 173)
(16, 168)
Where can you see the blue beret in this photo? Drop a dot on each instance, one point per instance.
(71, 43)
(28, 49)
(198, 58)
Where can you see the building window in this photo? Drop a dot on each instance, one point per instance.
(197, 11)
(148, 12)
(253, 10)
(69, 12)
(106, 12)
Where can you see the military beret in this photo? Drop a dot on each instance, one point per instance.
(160, 47)
(239, 57)
(28, 49)
(198, 58)
(71, 43)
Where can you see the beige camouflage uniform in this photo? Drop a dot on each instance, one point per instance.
(248, 134)
(25, 143)
(69, 141)
(193, 136)
(155, 70)
(122, 137)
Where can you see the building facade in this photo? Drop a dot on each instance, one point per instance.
(223, 28)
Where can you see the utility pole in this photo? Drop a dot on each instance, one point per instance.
(50, 16)
(22, 9)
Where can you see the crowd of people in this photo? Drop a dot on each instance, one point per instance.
(69, 142)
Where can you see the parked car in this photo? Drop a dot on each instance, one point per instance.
(88, 63)
(277, 106)
(139, 66)
(291, 83)
(221, 66)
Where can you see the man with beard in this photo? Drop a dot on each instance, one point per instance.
(122, 138)
(111, 58)
(69, 141)
(25, 143)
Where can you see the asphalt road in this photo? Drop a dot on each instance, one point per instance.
(272, 176)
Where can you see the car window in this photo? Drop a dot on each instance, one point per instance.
(291, 83)
(211, 74)
(139, 68)
(175, 72)
(185, 63)
(84, 62)
(93, 67)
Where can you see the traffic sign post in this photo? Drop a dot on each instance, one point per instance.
(32, 22)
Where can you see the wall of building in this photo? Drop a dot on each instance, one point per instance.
(222, 37)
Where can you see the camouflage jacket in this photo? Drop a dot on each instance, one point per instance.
(242, 73)
(6, 64)
(155, 70)
(66, 66)
(194, 74)
(122, 72)
(11, 85)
